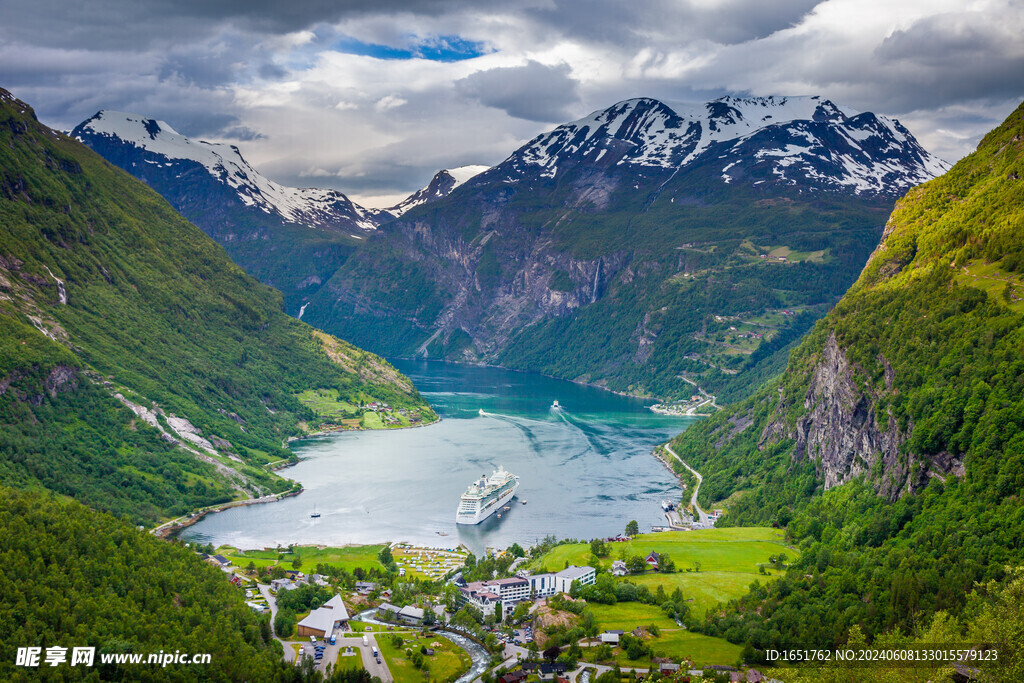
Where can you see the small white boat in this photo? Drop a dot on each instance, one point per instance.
(555, 406)
(481, 412)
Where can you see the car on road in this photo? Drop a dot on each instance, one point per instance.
(334, 639)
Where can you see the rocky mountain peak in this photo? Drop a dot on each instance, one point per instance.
(810, 142)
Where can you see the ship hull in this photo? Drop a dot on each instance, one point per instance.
(481, 515)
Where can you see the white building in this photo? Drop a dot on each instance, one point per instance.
(564, 579)
(486, 595)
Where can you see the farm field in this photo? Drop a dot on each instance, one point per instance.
(728, 560)
(673, 641)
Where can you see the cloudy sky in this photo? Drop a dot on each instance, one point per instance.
(371, 96)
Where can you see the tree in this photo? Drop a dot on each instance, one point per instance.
(633, 528)
(521, 611)
(551, 654)
(599, 548)
(297, 563)
(516, 550)
(667, 564)
(385, 556)
(636, 564)
(284, 623)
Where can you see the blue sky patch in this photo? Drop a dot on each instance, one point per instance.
(437, 49)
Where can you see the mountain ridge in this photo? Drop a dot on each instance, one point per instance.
(606, 231)
(141, 371)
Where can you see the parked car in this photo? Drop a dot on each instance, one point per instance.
(334, 639)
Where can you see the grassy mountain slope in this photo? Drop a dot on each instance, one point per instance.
(893, 446)
(109, 300)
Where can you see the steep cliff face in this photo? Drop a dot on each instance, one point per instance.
(847, 434)
(912, 376)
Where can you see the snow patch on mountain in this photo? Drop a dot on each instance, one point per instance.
(441, 185)
(315, 207)
(803, 138)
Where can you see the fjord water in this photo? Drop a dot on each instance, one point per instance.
(585, 469)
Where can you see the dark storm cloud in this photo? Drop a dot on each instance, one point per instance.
(534, 92)
(134, 25)
(657, 21)
(953, 57)
(201, 68)
(242, 134)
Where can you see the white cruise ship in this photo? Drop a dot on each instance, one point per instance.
(485, 496)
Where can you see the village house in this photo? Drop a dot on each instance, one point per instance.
(546, 671)
(619, 568)
(652, 560)
(513, 677)
(388, 612)
(410, 614)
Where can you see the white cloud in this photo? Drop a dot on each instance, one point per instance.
(389, 102)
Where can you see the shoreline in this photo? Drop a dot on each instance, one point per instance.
(325, 432)
(185, 521)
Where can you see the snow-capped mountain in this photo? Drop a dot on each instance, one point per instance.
(599, 250)
(441, 185)
(802, 141)
(170, 153)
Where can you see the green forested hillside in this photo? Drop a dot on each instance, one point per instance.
(109, 300)
(910, 396)
(76, 578)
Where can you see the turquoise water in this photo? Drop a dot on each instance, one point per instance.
(585, 470)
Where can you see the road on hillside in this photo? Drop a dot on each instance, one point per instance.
(701, 515)
(289, 653)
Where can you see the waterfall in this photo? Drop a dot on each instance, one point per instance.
(597, 281)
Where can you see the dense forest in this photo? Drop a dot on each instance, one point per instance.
(933, 334)
(73, 577)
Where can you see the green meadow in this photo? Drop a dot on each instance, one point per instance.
(728, 560)
(348, 558)
(672, 641)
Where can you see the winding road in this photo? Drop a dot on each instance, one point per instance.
(702, 516)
